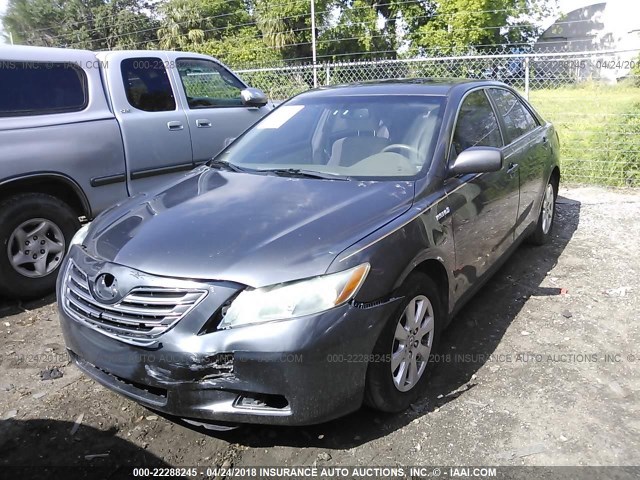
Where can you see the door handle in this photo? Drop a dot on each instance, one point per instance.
(203, 123)
(175, 125)
(512, 168)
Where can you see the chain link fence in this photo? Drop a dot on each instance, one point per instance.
(592, 97)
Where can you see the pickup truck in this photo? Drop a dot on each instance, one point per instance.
(81, 131)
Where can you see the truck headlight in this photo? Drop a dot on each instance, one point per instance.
(294, 299)
(80, 235)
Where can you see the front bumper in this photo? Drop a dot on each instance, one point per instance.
(293, 372)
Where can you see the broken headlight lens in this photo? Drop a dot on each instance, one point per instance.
(294, 299)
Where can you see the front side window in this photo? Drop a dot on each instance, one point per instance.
(207, 84)
(147, 84)
(477, 125)
(517, 119)
(40, 88)
(355, 136)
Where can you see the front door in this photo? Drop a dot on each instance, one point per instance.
(214, 108)
(483, 206)
(154, 127)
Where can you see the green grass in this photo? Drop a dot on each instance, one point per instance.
(599, 128)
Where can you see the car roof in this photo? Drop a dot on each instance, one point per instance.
(412, 86)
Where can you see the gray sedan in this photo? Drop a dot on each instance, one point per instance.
(314, 263)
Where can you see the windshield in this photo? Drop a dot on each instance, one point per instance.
(349, 136)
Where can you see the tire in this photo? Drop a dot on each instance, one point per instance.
(544, 227)
(382, 391)
(41, 225)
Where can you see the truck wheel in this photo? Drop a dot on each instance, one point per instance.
(402, 354)
(35, 231)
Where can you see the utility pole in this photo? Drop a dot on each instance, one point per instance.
(313, 43)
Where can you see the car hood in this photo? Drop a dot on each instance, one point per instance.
(247, 228)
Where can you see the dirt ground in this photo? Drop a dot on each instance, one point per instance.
(541, 368)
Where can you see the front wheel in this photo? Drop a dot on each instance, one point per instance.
(542, 233)
(405, 346)
(35, 231)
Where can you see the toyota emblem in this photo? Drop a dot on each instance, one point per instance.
(105, 287)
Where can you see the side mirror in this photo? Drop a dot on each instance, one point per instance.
(477, 160)
(253, 97)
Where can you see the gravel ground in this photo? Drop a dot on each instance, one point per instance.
(541, 368)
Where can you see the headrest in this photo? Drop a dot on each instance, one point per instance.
(360, 119)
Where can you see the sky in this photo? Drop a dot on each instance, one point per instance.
(624, 14)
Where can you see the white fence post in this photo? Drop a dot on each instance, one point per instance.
(527, 64)
(328, 75)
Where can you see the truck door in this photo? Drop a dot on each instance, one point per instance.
(214, 108)
(154, 127)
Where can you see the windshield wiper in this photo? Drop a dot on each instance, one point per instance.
(220, 164)
(299, 173)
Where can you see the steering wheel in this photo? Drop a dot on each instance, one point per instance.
(401, 146)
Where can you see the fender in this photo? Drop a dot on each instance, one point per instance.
(40, 176)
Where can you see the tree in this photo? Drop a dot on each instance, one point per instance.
(458, 25)
(90, 24)
(186, 24)
(122, 24)
(356, 34)
(286, 25)
(243, 48)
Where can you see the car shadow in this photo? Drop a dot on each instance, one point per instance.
(475, 333)
(14, 307)
(44, 448)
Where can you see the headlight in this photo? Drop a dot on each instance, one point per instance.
(80, 235)
(295, 299)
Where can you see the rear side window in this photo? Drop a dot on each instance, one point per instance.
(41, 88)
(207, 84)
(147, 84)
(477, 125)
(517, 119)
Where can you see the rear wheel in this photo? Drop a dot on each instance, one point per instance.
(401, 358)
(542, 233)
(35, 231)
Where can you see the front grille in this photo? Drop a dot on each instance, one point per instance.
(144, 313)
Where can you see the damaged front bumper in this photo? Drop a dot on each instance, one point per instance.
(293, 372)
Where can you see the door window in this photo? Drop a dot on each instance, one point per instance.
(207, 84)
(477, 125)
(147, 84)
(517, 119)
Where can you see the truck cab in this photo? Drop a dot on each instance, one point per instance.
(81, 131)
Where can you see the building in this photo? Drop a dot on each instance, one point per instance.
(613, 25)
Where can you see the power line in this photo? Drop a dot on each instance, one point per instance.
(211, 17)
(113, 16)
(513, 27)
(214, 17)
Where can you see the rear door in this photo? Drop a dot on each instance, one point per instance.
(528, 142)
(154, 127)
(483, 206)
(214, 109)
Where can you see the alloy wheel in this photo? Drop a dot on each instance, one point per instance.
(36, 248)
(412, 343)
(548, 205)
